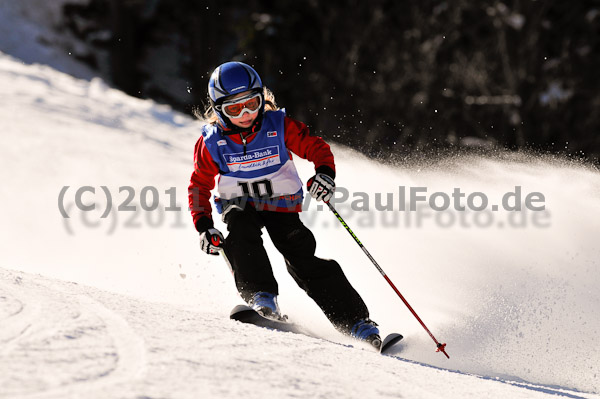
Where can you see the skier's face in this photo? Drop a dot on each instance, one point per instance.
(247, 117)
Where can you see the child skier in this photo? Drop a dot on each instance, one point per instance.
(248, 142)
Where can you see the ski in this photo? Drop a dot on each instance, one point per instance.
(389, 341)
(246, 314)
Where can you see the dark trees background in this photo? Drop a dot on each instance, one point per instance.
(386, 77)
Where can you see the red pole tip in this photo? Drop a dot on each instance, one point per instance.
(442, 348)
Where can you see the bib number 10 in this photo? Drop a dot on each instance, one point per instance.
(257, 189)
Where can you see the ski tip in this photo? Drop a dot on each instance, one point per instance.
(236, 311)
(389, 341)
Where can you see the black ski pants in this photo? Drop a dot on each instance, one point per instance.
(322, 279)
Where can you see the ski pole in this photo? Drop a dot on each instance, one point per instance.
(440, 347)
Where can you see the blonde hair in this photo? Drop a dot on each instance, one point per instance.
(210, 116)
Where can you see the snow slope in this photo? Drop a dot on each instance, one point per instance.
(66, 340)
(516, 301)
(31, 31)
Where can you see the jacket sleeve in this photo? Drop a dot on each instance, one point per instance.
(312, 148)
(201, 184)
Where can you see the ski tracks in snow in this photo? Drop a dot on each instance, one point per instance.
(63, 340)
(56, 341)
(16, 316)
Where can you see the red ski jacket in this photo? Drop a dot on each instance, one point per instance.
(297, 140)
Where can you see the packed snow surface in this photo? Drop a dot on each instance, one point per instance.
(121, 303)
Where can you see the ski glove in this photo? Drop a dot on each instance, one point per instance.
(211, 240)
(321, 187)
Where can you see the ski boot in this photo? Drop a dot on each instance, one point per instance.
(366, 330)
(265, 304)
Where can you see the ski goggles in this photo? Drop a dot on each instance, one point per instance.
(249, 104)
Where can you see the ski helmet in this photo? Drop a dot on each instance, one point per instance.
(230, 79)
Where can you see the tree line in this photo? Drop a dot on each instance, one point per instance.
(387, 77)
